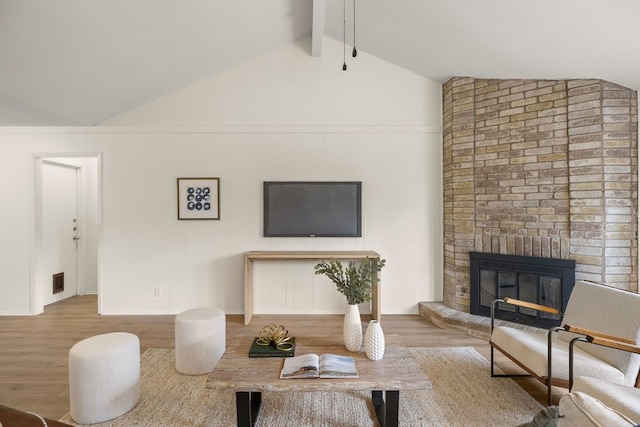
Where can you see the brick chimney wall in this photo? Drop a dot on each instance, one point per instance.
(544, 168)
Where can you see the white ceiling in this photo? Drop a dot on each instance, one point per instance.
(83, 61)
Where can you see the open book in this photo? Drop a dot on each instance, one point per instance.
(314, 366)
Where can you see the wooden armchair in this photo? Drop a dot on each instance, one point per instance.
(622, 398)
(545, 356)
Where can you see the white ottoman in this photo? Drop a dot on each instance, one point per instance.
(201, 338)
(104, 377)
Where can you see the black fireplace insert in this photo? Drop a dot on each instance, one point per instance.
(545, 281)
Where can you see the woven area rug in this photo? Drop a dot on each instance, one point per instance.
(463, 394)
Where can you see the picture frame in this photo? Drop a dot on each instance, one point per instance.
(198, 198)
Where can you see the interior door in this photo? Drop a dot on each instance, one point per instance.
(60, 230)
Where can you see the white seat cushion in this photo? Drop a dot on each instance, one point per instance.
(530, 348)
(579, 409)
(622, 398)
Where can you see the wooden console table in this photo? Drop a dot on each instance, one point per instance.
(250, 257)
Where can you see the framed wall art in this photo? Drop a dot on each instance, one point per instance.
(199, 198)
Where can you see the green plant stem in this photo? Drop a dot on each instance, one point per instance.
(354, 282)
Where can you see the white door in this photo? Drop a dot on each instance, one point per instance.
(60, 231)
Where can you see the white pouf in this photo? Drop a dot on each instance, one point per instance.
(104, 377)
(200, 340)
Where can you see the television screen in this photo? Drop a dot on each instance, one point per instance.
(312, 209)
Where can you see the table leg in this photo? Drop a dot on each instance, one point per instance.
(386, 407)
(247, 406)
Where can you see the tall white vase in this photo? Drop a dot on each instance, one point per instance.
(374, 341)
(352, 328)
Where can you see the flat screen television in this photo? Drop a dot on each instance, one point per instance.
(312, 209)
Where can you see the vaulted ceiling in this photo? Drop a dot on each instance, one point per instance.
(83, 61)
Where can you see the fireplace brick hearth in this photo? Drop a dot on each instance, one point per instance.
(543, 168)
(470, 324)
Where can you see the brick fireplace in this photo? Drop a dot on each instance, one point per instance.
(542, 168)
(545, 281)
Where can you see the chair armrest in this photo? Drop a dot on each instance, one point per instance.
(591, 335)
(614, 344)
(531, 305)
(525, 304)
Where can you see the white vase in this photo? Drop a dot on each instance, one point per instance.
(352, 328)
(374, 341)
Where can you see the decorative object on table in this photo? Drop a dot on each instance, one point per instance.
(374, 341)
(199, 198)
(258, 350)
(273, 341)
(319, 366)
(352, 328)
(355, 283)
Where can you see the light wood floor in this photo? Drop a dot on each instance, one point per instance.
(34, 349)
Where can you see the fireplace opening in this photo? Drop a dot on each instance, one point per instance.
(545, 281)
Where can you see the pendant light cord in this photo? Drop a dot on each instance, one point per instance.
(344, 34)
(355, 51)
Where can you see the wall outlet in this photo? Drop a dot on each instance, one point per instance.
(158, 291)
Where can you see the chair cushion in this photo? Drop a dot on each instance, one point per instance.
(624, 399)
(606, 309)
(580, 409)
(530, 349)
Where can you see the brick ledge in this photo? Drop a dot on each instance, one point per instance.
(470, 324)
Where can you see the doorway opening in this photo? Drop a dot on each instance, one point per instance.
(67, 227)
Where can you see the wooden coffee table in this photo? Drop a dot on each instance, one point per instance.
(249, 377)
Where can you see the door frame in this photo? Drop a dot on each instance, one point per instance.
(37, 296)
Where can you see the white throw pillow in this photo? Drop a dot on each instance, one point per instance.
(579, 409)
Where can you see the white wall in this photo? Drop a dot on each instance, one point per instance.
(388, 135)
(289, 87)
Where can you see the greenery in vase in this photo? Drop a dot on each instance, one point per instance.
(354, 282)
